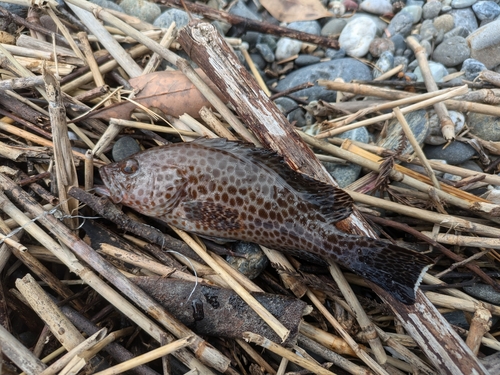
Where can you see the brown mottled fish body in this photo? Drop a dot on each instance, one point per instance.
(228, 190)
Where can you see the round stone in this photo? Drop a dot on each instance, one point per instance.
(484, 126)
(444, 23)
(356, 37)
(380, 7)
(472, 68)
(333, 27)
(454, 153)
(384, 64)
(347, 68)
(287, 47)
(431, 9)
(486, 10)
(418, 121)
(457, 4)
(452, 51)
(178, 16)
(400, 24)
(144, 10)
(381, 45)
(466, 18)
(124, 147)
(438, 71)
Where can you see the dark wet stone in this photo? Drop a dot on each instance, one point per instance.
(305, 60)
(484, 292)
(347, 68)
(266, 52)
(484, 126)
(457, 318)
(124, 147)
(472, 68)
(455, 153)
(254, 263)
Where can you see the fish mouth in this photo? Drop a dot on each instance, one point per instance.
(102, 190)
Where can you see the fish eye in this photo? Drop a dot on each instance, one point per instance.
(130, 166)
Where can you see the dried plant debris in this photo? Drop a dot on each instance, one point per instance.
(307, 154)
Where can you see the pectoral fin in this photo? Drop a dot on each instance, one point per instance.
(212, 215)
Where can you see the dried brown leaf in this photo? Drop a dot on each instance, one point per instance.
(167, 92)
(296, 10)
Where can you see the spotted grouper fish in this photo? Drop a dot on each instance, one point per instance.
(228, 190)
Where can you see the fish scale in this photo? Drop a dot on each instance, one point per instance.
(227, 190)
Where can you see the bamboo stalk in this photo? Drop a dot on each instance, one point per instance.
(211, 355)
(279, 350)
(148, 357)
(469, 241)
(59, 325)
(343, 333)
(84, 345)
(459, 304)
(19, 354)
(416, 147)
(413, 107)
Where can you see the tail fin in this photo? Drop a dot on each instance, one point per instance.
(396, 269)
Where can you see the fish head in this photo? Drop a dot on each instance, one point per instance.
(143, 182)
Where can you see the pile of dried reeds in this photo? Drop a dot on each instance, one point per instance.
(111, 311)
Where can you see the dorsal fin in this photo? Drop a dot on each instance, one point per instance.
(333, 203)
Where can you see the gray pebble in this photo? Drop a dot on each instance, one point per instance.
(357, 36)
(415, 11)
(178, 16)
(457, 31)
(254, 263)
(486, 10)
(455, 153)
(384, 64)
(240, 9)
(380, 7)
(457, 4)
(484, 292)
(457, 318)
(484, 126)
(472, 68)
(304, 60)
(418, 121)
(141, 9)
(346, 68)
(399, 43)
(333, 27)
(108, 4)
(346, 174)
(452, 51)
(485, 44)
(428, 30)
(335, 53)
(400, 24)
(287, 47)
(266, 52)
(258, 60)
(124, 147)
(291, 110)
(438, 71)
(466, 18)
(311, 27)
(431, 9)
